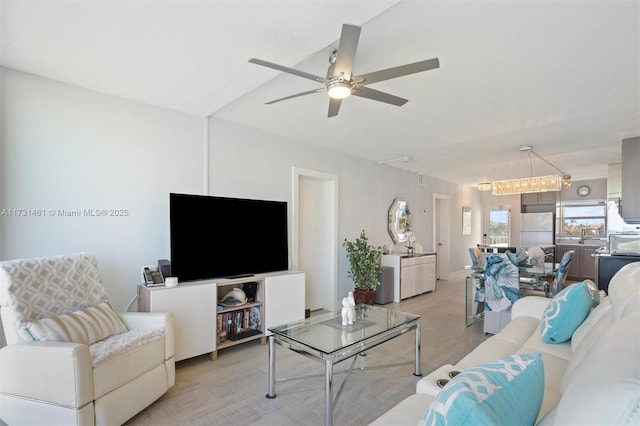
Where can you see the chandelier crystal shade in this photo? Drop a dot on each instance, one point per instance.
(533, 183)
(530, 184)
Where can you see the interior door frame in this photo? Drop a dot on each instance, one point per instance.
(331, 216)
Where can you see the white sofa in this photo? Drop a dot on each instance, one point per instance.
(47, 375)
(594, 378)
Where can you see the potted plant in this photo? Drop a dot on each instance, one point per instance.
(364, 260)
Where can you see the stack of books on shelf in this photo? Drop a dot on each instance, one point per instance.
(240, 320)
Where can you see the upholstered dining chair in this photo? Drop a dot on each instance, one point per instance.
(501, 290)
(560, 275)
(70, 359)
(536, 257)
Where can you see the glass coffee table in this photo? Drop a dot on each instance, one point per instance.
(326, 339)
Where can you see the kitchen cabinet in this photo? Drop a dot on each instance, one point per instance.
(630, 210)
(588, 262)
(531, 198)
(583, 265)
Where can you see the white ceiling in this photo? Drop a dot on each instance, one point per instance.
(562, 76)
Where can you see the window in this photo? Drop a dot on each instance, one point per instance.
(499, 228)
(587, 218)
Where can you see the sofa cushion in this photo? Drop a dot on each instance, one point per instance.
(624, 291)
(87, 325)
(504, 391)
(565, 313)
(606, 387)
(588, 336)
(586, 329)
(486, 351)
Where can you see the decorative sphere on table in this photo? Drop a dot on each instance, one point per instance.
(348, 309)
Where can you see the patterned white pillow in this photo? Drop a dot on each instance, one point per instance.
(86, 326)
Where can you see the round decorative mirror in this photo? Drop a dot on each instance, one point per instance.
(399, 220)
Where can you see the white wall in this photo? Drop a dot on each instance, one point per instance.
(248, 163)
(67, 148)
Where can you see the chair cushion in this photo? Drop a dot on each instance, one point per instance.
(501, 284)
(86, 326)
(32, 289)
(565, 313)
(121, 358)
(120, 344)
(505, 391)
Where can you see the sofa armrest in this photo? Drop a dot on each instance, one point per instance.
(137, 320)
(56, 372)
(530, 306)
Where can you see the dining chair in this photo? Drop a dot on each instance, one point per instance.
(560, 275)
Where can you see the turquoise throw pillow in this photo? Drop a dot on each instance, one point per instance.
(507, 391)
(567, 310)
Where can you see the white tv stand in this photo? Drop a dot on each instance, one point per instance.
(280, 298)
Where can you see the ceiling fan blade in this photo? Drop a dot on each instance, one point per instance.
(346, 51)
(376, 95)
(310, 92)
(288, 70)
(334, 106)
(400, 71)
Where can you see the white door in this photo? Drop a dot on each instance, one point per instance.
(315, 236)
(441, 235)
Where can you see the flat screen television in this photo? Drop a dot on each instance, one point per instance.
(216, 237)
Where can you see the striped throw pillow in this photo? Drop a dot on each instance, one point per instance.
(86, 326)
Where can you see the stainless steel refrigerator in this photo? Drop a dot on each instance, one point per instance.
(537, 229)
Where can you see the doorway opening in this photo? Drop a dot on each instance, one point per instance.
(315, 236)
(497, 226)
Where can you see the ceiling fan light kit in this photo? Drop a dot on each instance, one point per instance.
(340, 83)
(339, 89)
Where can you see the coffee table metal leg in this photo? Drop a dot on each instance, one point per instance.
(417, 372)
(328, 392)
(272, 367)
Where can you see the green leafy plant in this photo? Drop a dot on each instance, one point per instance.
(364, 260)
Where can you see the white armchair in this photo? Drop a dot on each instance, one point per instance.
(69, 358)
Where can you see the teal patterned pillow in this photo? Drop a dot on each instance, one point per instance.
(565, 313)
(507, 391)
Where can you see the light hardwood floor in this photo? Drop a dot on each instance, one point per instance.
(231, 390)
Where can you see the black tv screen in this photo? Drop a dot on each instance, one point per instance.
(215, 237)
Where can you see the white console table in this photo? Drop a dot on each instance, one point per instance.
(413, 274)
(280, 299)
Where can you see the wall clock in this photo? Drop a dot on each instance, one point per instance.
(584, 190)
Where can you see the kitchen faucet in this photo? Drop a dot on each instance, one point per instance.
(583, 234)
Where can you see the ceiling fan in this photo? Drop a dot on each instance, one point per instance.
(341, 83)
